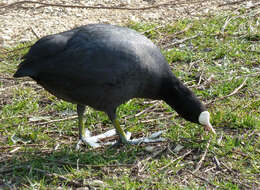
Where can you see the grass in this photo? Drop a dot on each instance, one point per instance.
(213, 55)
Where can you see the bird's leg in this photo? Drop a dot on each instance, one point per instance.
(120, 131)
(125, 137)
(81, 127)
(80, 112)
(85, 134)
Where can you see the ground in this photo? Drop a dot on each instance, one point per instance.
(213, 47)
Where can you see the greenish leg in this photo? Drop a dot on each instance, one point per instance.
(85, 135)
(93, 141)
(120, 131)
(81, 126)
(125, 138)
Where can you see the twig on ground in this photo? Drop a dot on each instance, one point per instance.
(18, 49)
(193, 63)
(35, 33)
(11, 169)
(182, 31)
(241, 183)
(253, 6)
(230, 170)
(154, 102)
(156, 154)
(176, 33)
(225, 25)
(58, 120)
(15, 149)
(172, 161)
(228, 21)
(147, 109)
(202, 178)
(231, 3)
(237, 175)
(181, 41)
(11, 117)
(216, 161)
(152, 29)
(252, 51)
(231, 94)
(7, 78)
(20, 84)
(160, 118)
(141, 165)
(149, 102)
(200, 78)
(220, 138)
(209, 169)
(240, 153)
(89, 165)
(54, 175)
(252, 74)
(239, 2)
(202, 158)
(204, 83)
(251, 134)
(170, 3)
(24, 145)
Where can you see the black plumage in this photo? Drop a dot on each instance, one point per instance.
(103, 66)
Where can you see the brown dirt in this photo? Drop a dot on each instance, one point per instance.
(25, 21)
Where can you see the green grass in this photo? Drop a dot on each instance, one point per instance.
(216, 61)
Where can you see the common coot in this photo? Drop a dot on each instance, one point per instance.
(103, 66)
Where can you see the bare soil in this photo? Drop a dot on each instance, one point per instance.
(24, 22)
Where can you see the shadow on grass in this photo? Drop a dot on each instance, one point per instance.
(37, 165)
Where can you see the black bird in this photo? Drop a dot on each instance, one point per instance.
(103, 66)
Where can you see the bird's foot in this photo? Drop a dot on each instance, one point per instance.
(93, 141)
(153, 138)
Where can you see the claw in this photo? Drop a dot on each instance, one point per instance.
(88, 141)
(78, 144)
(109, 133)
(151, 139)
(156, 134)
(93, 141)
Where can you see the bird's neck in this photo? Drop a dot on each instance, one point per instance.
(181, 99)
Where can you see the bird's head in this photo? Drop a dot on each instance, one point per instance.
(185, 103)
(204, 119)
